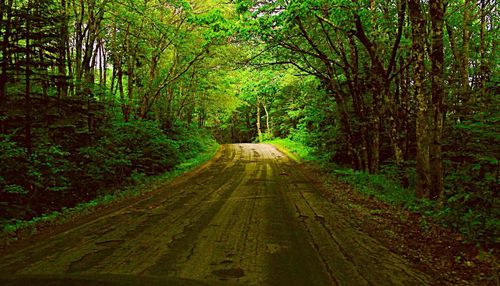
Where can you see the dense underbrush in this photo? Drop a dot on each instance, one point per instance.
(54, 177)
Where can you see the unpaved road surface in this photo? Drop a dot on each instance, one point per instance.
(250, 218)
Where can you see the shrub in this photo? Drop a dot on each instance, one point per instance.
(379, 186)
(126, 148)
(50, 178)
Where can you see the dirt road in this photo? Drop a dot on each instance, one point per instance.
(249, 218)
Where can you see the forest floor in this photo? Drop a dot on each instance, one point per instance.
(252, 216)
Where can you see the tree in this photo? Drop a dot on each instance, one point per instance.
(437, 12)
(422, 121)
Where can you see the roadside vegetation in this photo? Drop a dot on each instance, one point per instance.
(474, 225)
(124, 178)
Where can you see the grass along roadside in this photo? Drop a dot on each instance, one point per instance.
(377, 185)
(296, 151)
(22, 229)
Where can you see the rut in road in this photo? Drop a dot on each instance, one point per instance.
(251, 218)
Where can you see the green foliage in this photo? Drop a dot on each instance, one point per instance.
(208, 150)
(475, 214)
(191, 140)
(471, 156)
(142, 183)
(134, 149)
(124, 153)
(379, 186)
(296, 150)
(14, 163)
(50, 168)
(26, 177)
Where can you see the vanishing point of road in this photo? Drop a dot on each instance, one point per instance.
(250, 217)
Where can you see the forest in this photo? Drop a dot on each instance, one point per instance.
(397, 98)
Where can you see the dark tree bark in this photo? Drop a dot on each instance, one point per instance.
(27, 95)
(422, 126)
(62, 85)
(5, 16)
(437, 10)
(5, 8)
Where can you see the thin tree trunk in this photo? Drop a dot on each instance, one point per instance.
(465, 50)
(375, 146)
(62, 81)
(268, 127)
(123, 103)
(404, 109)
(259, 131)
(482, 50)
(130, 83)
(69, 55)
(27, 130)
(79, 44)
(112, 89)
(352, 152)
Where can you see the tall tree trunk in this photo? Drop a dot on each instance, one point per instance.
(259, 131)
(437, 10)
(375, 146)
(112, 89)
(352, 152)
(382, 106)
(5, 7)
(376, 114)
(69, 56)
(355, 89)
(4, 14)
(248, 124)
(422, 128)
(268, 127)
(64, 39)
(27, 96)
(123, 103)
(483, 68)
(465, 51)
(404, 108)
(78, 34)
(130, 85)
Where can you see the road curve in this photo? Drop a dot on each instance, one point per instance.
(250, 218)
